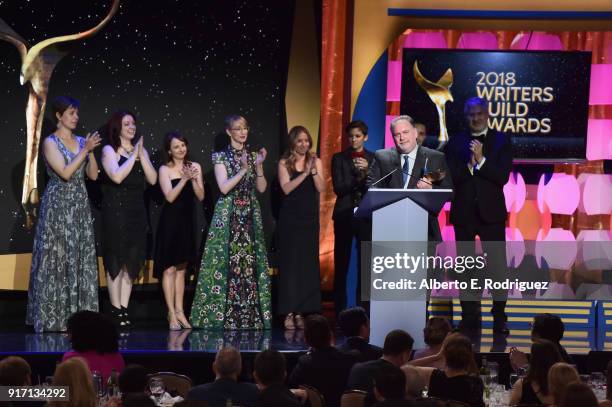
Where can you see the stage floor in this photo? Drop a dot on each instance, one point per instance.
(159, 339)
(162, 340)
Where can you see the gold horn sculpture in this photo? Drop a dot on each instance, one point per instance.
(37, 65)
(439, 93)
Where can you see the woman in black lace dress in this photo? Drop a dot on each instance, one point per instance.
(126, 166)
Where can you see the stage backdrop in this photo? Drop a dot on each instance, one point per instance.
(177, 65)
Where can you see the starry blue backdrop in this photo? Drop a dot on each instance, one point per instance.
(177, 64)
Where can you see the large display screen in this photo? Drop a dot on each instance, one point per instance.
(540, 99)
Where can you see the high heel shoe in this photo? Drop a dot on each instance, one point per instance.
(116, 315)
(299, 321)
(183, 323)
(173, 326)
(125, 317)
(289, 324)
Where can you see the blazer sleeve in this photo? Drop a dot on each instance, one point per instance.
(498, 171)
(447, 181)
(343, 182)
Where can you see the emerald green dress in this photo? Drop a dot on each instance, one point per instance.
(233, 289)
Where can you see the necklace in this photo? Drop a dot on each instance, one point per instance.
(130, 151)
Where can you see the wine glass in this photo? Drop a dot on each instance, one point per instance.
(156, 387)
(493, 371)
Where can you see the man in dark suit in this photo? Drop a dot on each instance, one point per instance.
(480, 162)
(323, 367)
(355, 325)
(349, 173)
(270, 372)
(405, 165)
(396, 351)
(227, 367)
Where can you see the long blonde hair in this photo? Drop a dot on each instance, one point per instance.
(289, 156)
(559, 376)
(75, 374)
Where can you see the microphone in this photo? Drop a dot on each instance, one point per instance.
(371, 186)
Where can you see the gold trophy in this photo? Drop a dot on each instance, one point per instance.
(439, 93)
(37, 64)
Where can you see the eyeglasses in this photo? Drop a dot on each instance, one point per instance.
(239, 129)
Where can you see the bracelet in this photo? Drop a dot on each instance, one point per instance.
(260, 175)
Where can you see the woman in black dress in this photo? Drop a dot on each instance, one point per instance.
(126, 166)
(459, 380)
(300, 174)
(175, 248)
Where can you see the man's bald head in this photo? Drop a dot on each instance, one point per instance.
(228, 363)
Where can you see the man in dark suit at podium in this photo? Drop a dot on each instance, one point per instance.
(406, 166)
(480, 162)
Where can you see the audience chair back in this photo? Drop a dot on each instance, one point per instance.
(314, 396)
(175, 384)
(353, 398)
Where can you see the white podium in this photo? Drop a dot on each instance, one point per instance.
(400, 215)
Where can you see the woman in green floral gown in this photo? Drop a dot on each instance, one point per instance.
(233, 290)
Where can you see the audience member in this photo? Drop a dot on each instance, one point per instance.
(133, 379)
(414, 382)
(533, 389)
(544, 326)
(559, 376)
(270, 372)
(15, 371)
(323, 367)
(75, 374)
(608, 401)
(459, 380)
(434, 333)
(355, 325)
(227, 367)
(390, 387)
(396, 351)
(578, 394)
(95, 338)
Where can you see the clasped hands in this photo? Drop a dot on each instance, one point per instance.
(189, 171)
(476, 149)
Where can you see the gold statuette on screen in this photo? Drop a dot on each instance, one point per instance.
(439, 93)
(37, 64)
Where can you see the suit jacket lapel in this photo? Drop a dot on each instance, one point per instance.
(417, 168)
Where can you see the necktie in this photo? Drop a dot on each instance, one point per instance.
(405, 169)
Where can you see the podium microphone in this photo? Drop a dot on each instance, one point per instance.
(371, 186)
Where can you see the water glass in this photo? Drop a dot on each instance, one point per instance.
(597, 379)
(493, 371)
